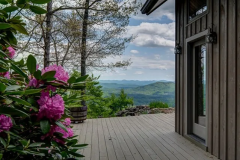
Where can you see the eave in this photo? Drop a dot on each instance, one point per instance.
(151, 5)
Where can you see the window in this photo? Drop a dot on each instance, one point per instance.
(200, 77)
(196, 7)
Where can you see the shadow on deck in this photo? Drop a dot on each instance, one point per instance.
(145, 137)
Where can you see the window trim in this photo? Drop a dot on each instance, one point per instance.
(187, 107)
(190, 21)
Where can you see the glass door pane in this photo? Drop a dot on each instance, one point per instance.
(199, 76)
(201, 80)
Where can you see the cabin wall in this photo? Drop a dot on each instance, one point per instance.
(223, 76)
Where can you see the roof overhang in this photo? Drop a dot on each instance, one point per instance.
(151, 5)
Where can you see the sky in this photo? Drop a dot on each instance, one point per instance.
(152, 51)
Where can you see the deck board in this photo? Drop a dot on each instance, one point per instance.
(145, 137)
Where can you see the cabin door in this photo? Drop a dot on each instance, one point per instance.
(199, 70)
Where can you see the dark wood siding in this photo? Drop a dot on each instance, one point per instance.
(223, 75)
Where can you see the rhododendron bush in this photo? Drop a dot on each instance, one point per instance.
(34, 118)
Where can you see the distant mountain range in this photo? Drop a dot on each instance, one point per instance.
(143, 92)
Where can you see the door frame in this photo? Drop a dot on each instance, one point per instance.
(187, 86)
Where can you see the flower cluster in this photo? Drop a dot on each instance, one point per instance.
(65, 134)
(50, 107)
(33, 83)
(5, 75)
(57, 129)
(67, 122)
(5, 123)
(60, 75)
(12, 52)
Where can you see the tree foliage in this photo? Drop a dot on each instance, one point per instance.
(105, 34)
(33, 119)
(120, 102)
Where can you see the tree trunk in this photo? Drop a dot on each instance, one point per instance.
(47, 40)
(84, 44)
(84, 39)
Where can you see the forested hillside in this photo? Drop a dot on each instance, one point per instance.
(143, 95)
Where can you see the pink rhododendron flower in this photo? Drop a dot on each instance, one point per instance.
(37, 67)
(33, 83)
(70, 132)
(61, 74)
(12, 52)
(50, 107)
(57, 129)
(67, 122)
(65, 134)
(5, 74)
(5, 123)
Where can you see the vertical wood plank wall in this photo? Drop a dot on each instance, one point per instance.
(223, 61)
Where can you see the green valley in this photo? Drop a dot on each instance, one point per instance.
(143, 92)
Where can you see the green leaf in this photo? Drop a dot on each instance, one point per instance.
(64, 154)
(22, 4)
(35, 153)
(19, 28)
(37, 10)
(20, 101)
(38, 74)
(61, 126)
(13, 111)
(48, 75)
(2, 54)
(80, 145)
(24, 142)
(19, 71)
(3, 142)
(10, 8)
(83, 78)
(15, 93)
(32, 91)
(75, 154)
(2, 87)
(13, 134)
(11, 146)
(4, 25)
(71, 80)
(11, 38)
(1, 155)
(37, 144)
(45, 126)
(51, 79)
(12, 88)
(31, 64)
(3, 69)
(40, 1)
(72, 142)
(3, 2)
(4, 14)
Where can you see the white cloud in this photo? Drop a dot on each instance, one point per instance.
(134, 51)
(140, 62)
(138, 72)
(167, 9)
(153, 34)
(156, 56)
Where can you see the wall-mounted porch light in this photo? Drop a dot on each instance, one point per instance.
(178, 49)
(211, 37)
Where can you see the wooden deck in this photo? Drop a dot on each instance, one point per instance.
(145, 137)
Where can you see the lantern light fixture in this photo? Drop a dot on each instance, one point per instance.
(211, 37)
(178, 49)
